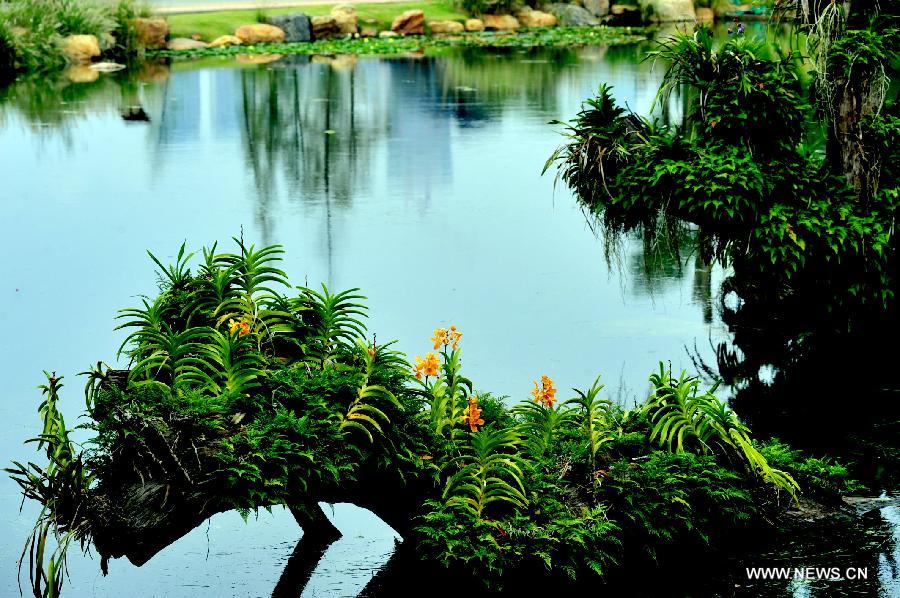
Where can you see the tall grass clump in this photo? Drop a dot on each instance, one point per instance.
(31, 31)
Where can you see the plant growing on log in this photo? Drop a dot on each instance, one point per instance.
(743, 168)
(446, 389)
(488, 470)
(60, 487)
(214, 420)
(680, 413)
(543, 426)
(592, 414)
(363, 414)
(334, 320)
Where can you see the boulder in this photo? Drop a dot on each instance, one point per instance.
(500, 22)
(80, 49)
(705, 15)
(183, 43)
(570, 15)
(625, 15)
(388, 34)
(535, 18)
(411, 22)
(474, 25)
(296, 26)
(325, 26)
(598, 8)
(666, 11)
(368, 32)
(225, 40)
(151, 33)
(346, 18)
(449, 27)
(259, 33)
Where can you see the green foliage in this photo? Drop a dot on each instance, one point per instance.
(822, 478)
(267, 399)
(488, 470)
(362, 414)
(593, 417)
(333, 320)
(542, 426)
(31, 31)
(676, 499)
(529, 38)
(743, 166)
(556, 539)
(681, 415)
(60, 487)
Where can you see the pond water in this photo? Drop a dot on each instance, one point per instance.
(416, 179)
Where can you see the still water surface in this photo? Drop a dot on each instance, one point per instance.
(416, 179)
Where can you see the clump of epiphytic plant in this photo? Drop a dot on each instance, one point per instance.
(746, 164)
(266, 394)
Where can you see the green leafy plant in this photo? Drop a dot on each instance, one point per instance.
(682, 416)
(487, 471)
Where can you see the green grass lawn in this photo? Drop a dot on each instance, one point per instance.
(210, 25)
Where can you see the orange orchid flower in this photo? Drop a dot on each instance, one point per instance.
(545, 393)
(473, 415)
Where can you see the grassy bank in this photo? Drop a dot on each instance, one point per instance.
(557, 37)
(32, 32)
(210, 25)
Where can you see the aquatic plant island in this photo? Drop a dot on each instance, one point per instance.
(236, 388)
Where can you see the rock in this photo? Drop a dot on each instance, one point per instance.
(570, 15)
(151, 33)
(412, 22)
(296, 26)
(535, 18)
(665, 11)
(598, 8)
(107, 67)
(81, 73)
(346, 18)
(474, 25)
(80, 49)
(388, 34)
(183, 43)
(500, 22)
(259, 33)
(450, 27)
(625, 15)
(325, 26)
(705, 15)
(225, 40)
(368, 32)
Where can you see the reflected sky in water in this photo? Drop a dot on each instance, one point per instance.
(416, 179)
